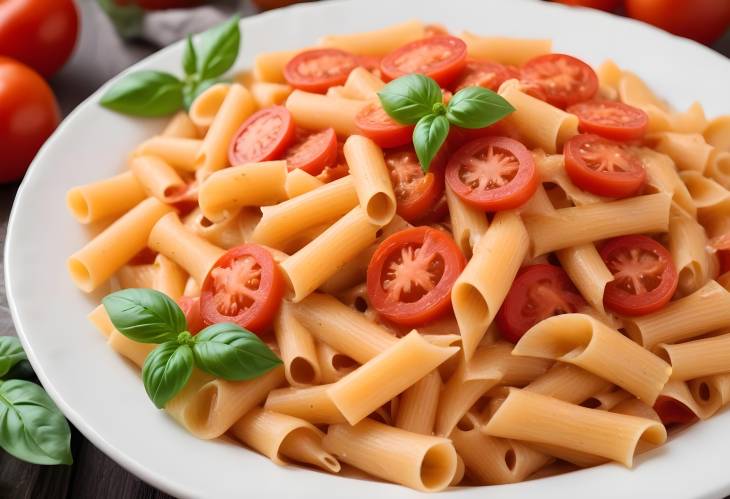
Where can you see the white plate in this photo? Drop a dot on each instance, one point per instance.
(103, 396)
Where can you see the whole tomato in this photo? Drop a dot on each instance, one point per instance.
(28, 115)
(161, 4)
(701, 20)
(39, 33)
(607, 5)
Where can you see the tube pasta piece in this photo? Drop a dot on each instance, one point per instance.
(316, 112)
(536, 418)
(585, 342)
(583, 224)
(130, 349)
(179, 152)
(194, 254)
(578, 458)
(225, 233)
(333, 364)
(298, 351)
(181, 126)
(339, 92)
(699, 358)
(421, 462)
(688, 151)
(283, 221)
(476, 298)
(702, 407)
(158, 178)
(607, 399)
(101, 321)
(609, 74)
(717, 132)
(634, 92)
(299, 182)
(693, 120)
(362, 84)
(192, 288)
(568, 383)
(587, 271)
(418, 405)
(312, 404)
(552, 170)
(332, 249)
(663, 177)
(169, 277)
(377, 42)
(104, 198)
(101, 257)
(284, 438)
(688, 246)
(136, 276)
(267, 94)
(253, 184)
(711, 392)
(705, 310)
(206, 105)
(514, 51)
(467, 223)
(269, 66)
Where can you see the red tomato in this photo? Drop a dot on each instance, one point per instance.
(439, 57)
(611, 119)
(273, 4)
(316, 70)
(263, 136)
(191, 308)
(312, 151)
(721, 244)
(369, 62)
(538, 292)
(673, 411)
(482, 74)
(244, 286)
(410, 275)
(416, 193)
(39, 33)
(607, 5)
(374, 123)
(701, 20)
(644, 276)
(603, 167)
(493, 173)
(564, 79)
(28, 115)
(161, 4)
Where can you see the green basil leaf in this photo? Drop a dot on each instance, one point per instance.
(31, 426)
(218, 49)
(230, 352)
(145, 315)
(166, 371)
(428, 137)
(191, 92)
(477, 107)
(21, 370)
(145, 93)
(190, 59)
(127, 19)
(409, 98)
(11, 352)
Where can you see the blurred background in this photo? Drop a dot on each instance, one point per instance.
(55, 53)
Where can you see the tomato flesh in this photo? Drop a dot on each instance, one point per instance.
(439, 57)
(415, 192)
(721, 244)
(374, 123)
(191, 308)
(262, 137)
(611, 119)
(673, 412)
(312, 151)
(564, 79)
(485, 74)
(317, 70)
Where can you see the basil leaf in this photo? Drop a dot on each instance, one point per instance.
(230, 352)
(31, 426)
(477, 107)
(21, 370)
(428, 137)
(145, 93)
(166, 371)
(145, 315)
(11, 352)
(218, 49)
(191, 92)
(189, 59)
(409, 98)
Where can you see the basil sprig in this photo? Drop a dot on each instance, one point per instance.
(156, 93)
(417, 99)
(224, 350)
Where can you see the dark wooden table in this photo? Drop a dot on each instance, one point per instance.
(99, 56)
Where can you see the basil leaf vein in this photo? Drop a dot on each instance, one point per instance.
(166, 371)
(145, 93)
(218, 49)
(145, 315)
(477, 107)
(11, 352)
(409, 98)
(428, 137)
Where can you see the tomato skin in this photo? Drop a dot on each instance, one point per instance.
(542, 69)
(484, 74)
(607, 5)
(312, 151)
(673, 411)
(374, 123)
(268, 295)
(416, 193)
(433, 303)
(39, 33)
(28, 115)
(240, 152)
(191, 308)
(701, 20)
(444, 71)
(629, 123)
(161, 4)
(621, 300)
(616, 184)
(338, 64)
(724, 258)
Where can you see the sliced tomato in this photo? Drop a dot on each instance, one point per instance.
(244, 286)
(439, 212)
(416, 193)
(493, 173)
(564, 79)
(611, 119)
(374, 123)
(317, 70)
(485, 74)
(191, 308)
(673, 411)
(312, 151)
(410, 276)
(439, 57)
(721, 244)
(369, 62)
(644, 275)
(538, 292)
(603, 167)
(263, 136)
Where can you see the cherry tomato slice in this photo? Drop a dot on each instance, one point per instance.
(244, 286)
(374, 123)
(262, 137)
(673, 411)
(410, 276)
(493, 173)
(317, 70)
(721, 244)
(485, 74)
(603, 167)
(416, 193)
(564, 79)
(439, 57)
(611, 119)
(538, 292)
(312, 151)
(191, 308)
(644, 276)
